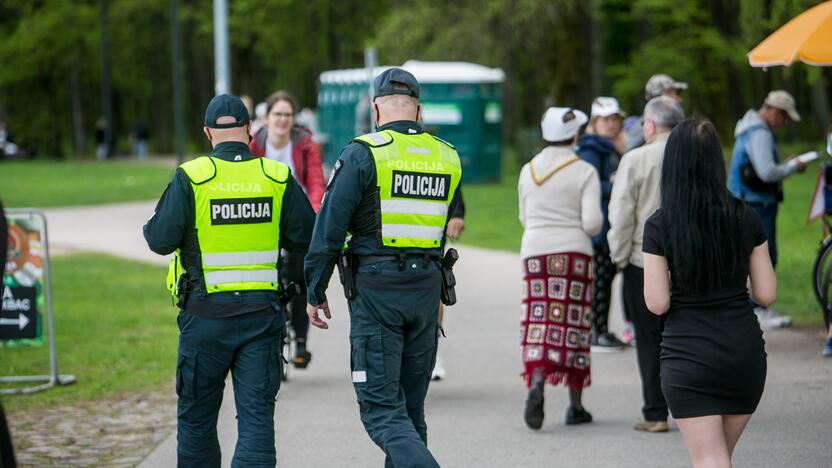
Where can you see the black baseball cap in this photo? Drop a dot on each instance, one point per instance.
(407, 84)
(226, 105)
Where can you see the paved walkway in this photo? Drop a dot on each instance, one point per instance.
(475, 415)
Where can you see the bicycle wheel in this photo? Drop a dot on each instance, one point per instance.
(822, 277)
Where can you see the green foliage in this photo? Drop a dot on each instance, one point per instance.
(115, 330)
(563, 52)
(44, 184)
(51, 95)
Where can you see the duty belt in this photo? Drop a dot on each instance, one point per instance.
(362, 260)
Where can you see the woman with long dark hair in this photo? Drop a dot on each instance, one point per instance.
(700, 249)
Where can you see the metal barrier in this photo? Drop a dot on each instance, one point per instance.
(22, 313)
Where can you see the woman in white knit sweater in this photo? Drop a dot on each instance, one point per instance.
(560, 209)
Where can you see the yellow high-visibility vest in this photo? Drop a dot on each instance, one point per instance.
(417, 177)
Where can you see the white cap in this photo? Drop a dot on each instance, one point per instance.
(561, 123)
(604, 106)
(784, 101)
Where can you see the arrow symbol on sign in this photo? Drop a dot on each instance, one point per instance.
(21, 322)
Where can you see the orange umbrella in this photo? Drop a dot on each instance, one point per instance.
(807, 37)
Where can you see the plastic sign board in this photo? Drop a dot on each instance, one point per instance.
(18, 316)
(22, 288)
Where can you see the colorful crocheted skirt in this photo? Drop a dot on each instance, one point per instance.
(556, 326)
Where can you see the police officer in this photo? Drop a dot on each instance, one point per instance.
(226, 216)
(393, 191)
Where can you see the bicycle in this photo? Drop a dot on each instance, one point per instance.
(287, 339)
(822, 268)
(822, 271)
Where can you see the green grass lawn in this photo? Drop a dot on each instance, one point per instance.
(43, 184)
(491, 222)
(115, 330)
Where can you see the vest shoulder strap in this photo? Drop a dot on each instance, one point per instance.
(274, 170)
(445, 142)
(375, 139)
(200, 170)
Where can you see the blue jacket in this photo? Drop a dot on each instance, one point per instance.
(756, 144)
(601, 153)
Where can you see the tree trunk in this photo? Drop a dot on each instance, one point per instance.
(78, 140)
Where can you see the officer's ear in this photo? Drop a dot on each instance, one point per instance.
(207, 134)
(375, 113)
(419, 113)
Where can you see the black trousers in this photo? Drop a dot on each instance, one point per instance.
(297, 307)
(648, 329)
(604, 272)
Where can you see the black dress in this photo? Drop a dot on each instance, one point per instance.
(713, 359)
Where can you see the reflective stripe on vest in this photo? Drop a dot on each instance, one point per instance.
(417, 176)
(240, 258)
(237, 215)
(240, 276)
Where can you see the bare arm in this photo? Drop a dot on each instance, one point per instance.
(763, 281)
(656, 283)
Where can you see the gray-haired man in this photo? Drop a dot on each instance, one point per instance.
(657, 85)
(635, 196)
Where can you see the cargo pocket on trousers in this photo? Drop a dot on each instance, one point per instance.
(358, 359)
(186, 376)
(367, 359)
(275, 372)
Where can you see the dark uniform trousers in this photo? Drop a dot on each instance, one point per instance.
(208, 349)
(648, 330)
(393, 337)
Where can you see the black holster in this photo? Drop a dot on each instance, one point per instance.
(288, 292)
(346, 273)
(183, 289)
(448, 279)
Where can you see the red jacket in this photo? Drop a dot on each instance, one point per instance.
(305, 156)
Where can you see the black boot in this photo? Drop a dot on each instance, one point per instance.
(577, 416)
(534, 403)
(302, 356)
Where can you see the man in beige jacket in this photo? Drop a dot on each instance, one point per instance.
(635, 196)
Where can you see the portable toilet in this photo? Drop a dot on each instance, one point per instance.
(461, 103)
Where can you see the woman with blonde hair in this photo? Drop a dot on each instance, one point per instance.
(601, 146)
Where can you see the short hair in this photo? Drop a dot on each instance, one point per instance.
(398, 101)
(665, 111)
(281, 95)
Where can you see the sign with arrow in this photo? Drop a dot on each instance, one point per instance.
(18, 314)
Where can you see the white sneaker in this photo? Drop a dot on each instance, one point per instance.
(628, 334)
(770, 320)
(438, 370)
